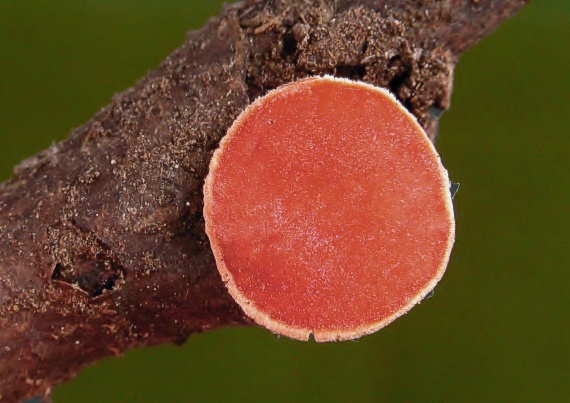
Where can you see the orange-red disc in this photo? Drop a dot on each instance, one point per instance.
(328, 210)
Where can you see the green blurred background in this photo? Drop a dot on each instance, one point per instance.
(498, 326)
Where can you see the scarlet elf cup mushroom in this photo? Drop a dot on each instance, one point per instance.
(328, 210)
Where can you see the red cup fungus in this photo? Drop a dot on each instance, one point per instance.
(328, 210)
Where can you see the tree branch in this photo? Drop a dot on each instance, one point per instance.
(102, 245)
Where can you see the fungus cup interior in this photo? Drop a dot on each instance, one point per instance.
(328, 210)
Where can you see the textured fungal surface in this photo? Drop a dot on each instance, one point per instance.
(328, 210)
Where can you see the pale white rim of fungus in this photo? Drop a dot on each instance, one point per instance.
(248, 306)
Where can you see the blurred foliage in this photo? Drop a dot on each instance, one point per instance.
(497, 328)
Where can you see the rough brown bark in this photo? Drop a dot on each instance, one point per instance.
(102, 245)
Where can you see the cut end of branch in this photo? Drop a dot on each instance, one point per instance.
(328, 210)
